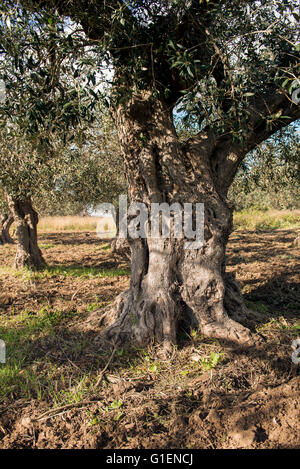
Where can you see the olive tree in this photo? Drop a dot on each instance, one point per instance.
(87, 173)
(48, 94)
(227, 67)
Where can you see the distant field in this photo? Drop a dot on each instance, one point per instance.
(244, 220)
(68, 223)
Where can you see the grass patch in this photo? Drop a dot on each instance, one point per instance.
(65, 271)
(106, 247)
(80, 271)
(257, 306)
(23, 375)
(266, 220)
(280, 324)
(93, 306)
(47, 246)
(211, 362)
(202, 364)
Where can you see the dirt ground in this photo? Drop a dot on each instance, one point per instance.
(208, 394)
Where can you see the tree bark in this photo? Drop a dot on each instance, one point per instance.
(5, 223)
(170, 285)
(26, 220)
(121, 247)
(297, 241)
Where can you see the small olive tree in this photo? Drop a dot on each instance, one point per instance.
(48, 94)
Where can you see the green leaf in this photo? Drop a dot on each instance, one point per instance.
(8, 23)
(153, 368)
(285, 82)
(190, 71)
(117, 404)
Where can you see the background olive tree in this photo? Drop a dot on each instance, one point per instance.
(87, 173)
(48, 94)
(270, 176)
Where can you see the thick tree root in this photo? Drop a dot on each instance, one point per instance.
(148, 322)
(229, 330)
(144, 323)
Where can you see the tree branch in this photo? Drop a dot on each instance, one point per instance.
(268, 114)
(95, 16)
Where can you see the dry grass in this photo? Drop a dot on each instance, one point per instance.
(244, 220)
(67, 223)
(266, 220)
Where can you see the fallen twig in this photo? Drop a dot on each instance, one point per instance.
(106, 366)
(59, 410)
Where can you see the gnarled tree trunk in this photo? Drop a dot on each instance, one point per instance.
(26, 220)
(170, 284)
(5, 223)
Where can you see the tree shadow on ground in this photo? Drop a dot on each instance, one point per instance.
(167, 416)
(261, 247)
(85, 348)
(281, 294)
(74, 239)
